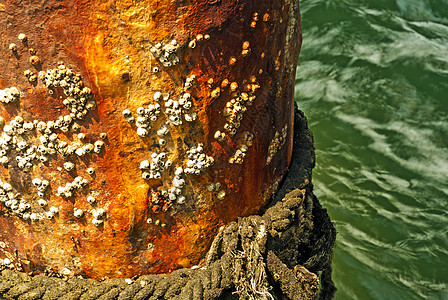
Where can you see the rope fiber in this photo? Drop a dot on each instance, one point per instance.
(285, 253)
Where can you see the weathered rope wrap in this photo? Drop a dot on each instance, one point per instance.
(273, 256)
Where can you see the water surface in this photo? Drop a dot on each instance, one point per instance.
(373, 81)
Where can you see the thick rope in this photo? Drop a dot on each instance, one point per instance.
(273, 256)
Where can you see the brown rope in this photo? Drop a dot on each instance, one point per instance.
(273, 256)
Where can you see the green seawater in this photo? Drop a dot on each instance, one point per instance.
(373, 81)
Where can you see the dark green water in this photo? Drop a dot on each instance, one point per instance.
(373, 81)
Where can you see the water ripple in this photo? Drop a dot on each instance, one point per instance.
(373, 81)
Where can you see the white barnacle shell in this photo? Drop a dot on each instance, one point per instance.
(34, 217)
(180, 199)
(147, 175)
(61, 190)
(28, 126)
(7, 187)
(88, 148)
(22, 207)
(69, 166)
(142, 132)
(8, 130)
(78, 213)
(26, 216)
(45, 183)
(36, 182)
(182, 101)
(99, 145)
(158, 96)
(65, 271)
(168, 163)
(4, 160)
(211, 187)
(42, 202)
(178, 182)
(169, 103)
(178, 171)
(163, 131)
(144, 164)
(192, 44)
(97, 222)
(80, 151)
(191, 117)
(91, 199)
(140, 111)
(187, 105)
(98, 213)
(221, 194)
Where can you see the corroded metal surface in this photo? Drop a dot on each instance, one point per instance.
(133, 130)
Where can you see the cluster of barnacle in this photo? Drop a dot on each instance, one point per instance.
(6, 263)
(155, 168)
(158, 202)
(79, 149)
(10, 198)
(197, 161)
(79, 98)
(167, 54)
(64, 123)
(189, 82)
(67, 191)
(216, 187)
(20, 207)
(175, 109)
(49, 214)
(174, 193)
(41, 186)
(236, 106)
(241, 152)
(98, 215)
(79, 101)
(146, 116)
(254, 21)
(162, 131)
(246, 49)
(14, 137)
(276, 144)
(164, 198)
(30, 75)
(199, 37)
(9, 95)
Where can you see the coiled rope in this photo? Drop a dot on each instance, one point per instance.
(277, 255)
